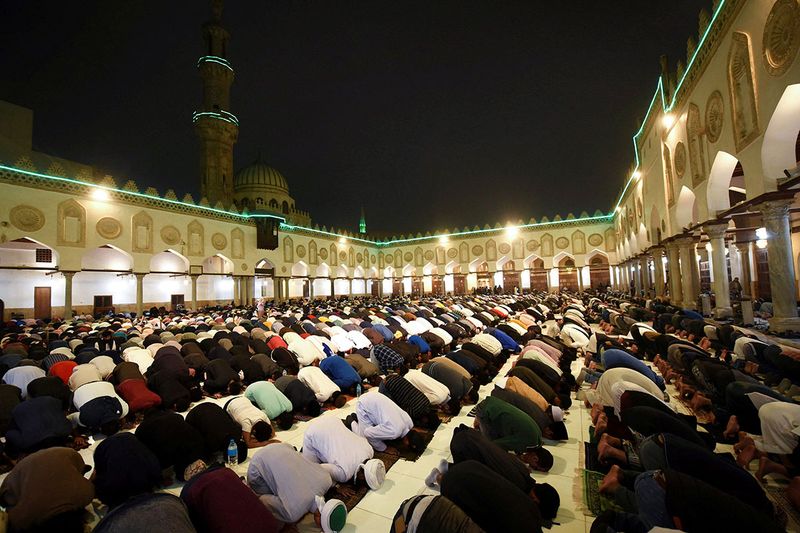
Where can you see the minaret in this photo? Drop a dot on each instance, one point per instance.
(362, 224)
(215, 125)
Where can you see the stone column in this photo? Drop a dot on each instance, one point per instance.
(249, 283)
(644, 271)
(350, 290)
(722, 293)
(675, 279)
(140, 292)
(775, 214)
(194, 277)
(330, 280)
(311, 288)
(658, 267)
(690, 288)
(68, 294)
(745, 254)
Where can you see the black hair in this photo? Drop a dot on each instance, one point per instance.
(549, 500)
(416, 442)
(472, 395)
(182, 404)
(110, 428)
(285, 420)
(234, 388)
(545, 462)
(262, 431)
(454, 406)
(313, 409)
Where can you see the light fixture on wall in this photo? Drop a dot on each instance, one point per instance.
(512, 231)
(100, 195)
(667, 120)
(637, 175)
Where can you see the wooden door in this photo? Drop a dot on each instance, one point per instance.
(438, 285)
(176, 300)
(103, 304)
(511, 281)
(762, 271)
(41, 302)
(539, 279)
(397, 286)
(460, 283)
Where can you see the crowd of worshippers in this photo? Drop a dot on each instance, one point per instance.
(663, 470)
(167, 395)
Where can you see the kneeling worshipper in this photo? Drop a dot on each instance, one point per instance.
(513, 430)
(490, 500)
(124, 468)
(674, 500)
(272, 401)
(132, 387)
(99, 407)
(323, 387)
(217, 429)
(47, 491)
(291, 486)
(219, 502)
(470, 445)
(36, 424)
(341, 373)
(379, 419)
(174, 442)
(432, 514)
(304, 401)
(256, 426)
(21, 376)
(345, 455)
(148, 512)
(412, 400)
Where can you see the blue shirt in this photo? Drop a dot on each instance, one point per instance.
(339, 371)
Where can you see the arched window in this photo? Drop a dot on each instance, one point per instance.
(285, 207)
(273, 203)
(259, 201)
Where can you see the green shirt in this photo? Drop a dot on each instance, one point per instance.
(507, 426)
(268, 398)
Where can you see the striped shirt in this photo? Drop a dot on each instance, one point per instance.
(412, 400)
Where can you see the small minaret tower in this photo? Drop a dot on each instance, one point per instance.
(216, 127)
(362, 223)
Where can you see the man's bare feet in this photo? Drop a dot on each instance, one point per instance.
(746, 455)
(601, 425)
(612, 480)
(744, 441)
(768, 466)
(700, 402)
(597, 410)
(732, 429)
(612, 441)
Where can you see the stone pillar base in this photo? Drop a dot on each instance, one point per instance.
(723, 312)
(784, 324)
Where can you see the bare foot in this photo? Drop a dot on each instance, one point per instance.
(612, 441)
(732, 428)
(612, 480)
(745, 456)
(744, 441)
(597, 410)
(700, 403)
(601, 425)
(768, 466)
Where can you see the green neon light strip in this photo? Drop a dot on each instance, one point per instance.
(137, 194)
(219, 115)
(215, 59)
(664, 106)
(291, 227)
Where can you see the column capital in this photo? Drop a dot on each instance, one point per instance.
(715, 230)
(140, 275)
(775, 209)
(657, 251)
(685, 241)
(743, 246)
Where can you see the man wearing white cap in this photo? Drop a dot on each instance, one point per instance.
(345, 455)
(290, 486)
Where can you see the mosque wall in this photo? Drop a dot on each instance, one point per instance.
(720, 132)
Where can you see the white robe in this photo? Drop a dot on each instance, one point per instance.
(436, 392)
(339, 450)
(780, 425)
(317, 381)
(380, 419)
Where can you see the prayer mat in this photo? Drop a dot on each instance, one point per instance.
(702, 418)
(351, 494)
(786, 511)
(302, 418)
(404, 452)
(595, 502)
(592, 461)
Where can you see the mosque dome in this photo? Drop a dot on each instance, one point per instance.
(259, 175)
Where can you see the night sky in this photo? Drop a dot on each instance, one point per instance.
(432, 114)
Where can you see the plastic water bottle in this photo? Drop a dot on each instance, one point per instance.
(232, 456)
(358, 390)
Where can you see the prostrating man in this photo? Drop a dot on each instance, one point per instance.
(379, 419)
(272, 401)
(345, 455)
(304, 401)
(290, 486)
(256, 426)
(513, 430)
(323, 387)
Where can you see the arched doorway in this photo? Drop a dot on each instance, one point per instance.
(511, 280)
(599, 273)
(567, 274)
(29, 283)
(265, 278)
(106, 282)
